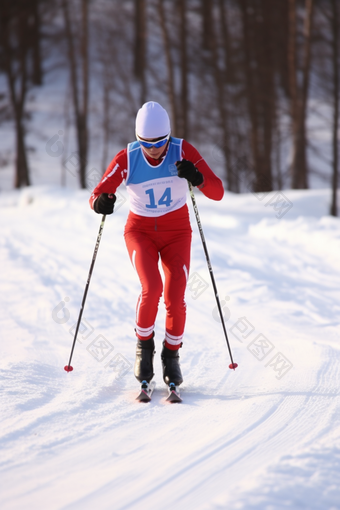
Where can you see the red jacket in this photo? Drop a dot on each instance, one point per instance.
(116, 172)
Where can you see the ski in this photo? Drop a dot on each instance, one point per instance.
(174, 395)
(146, 391)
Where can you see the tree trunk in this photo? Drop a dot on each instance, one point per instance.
(206, 7)
(220, 83)
(83, 132)
(106, 118)
(266, 93)
(184, 71)
(335, 61)
(36, 36)
(299, 94)
(255, 101)
(80, 112)
(226, 42)
(140, 47)
(170, 68)
(17, 82)
(22, 173)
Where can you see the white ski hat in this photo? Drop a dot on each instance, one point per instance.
(152, 121)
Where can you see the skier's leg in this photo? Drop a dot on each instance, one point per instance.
(175, 257)
(176, 263)
(144, 257)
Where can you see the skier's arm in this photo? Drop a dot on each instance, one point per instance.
(115, 174)
(211, 186)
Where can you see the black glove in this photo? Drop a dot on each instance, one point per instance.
(104, 204)
(187, 170)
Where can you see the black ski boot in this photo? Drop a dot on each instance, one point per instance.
(171, 368)
(145, 351)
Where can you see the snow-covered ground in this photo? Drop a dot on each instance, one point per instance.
(265, 436)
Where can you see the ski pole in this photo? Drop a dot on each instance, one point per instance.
(232, 364)
(68, 367)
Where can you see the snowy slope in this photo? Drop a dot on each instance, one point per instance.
(265, 436)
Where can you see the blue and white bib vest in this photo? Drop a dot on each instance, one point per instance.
(155, 190)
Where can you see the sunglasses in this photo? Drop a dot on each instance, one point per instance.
(157, 144)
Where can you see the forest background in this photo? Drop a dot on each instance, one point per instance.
(254, 84)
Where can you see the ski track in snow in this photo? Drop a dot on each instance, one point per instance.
(243, 439)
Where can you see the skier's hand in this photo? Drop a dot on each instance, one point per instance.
(187, 170)
(104, 204)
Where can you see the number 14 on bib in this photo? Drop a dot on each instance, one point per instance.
(164, 200)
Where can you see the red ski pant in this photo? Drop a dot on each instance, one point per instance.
(168, 239)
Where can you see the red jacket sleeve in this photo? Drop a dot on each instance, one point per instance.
(115, 174)
(212, 186)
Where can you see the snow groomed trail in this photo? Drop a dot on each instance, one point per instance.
(265, 436)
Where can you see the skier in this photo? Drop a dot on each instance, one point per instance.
(156, 169)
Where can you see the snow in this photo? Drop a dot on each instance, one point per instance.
(265, 436)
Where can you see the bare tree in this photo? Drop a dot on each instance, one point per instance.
(80, 86)
(299, 92)
(106, 115)
(184, 96)
(335, 62)
(140, 47)
(176, 61)
(170, 67)
(259, 87)
(37, 74)
(206, 7)
(114, 71)
(19, 48)
(225, 42)
(220, 78)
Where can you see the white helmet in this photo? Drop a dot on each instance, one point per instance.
(152, 121)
